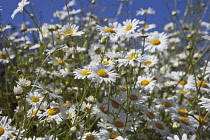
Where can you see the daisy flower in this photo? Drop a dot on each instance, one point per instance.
(5, 128)
(205, 103)
(156, 42)
(101, 73)
(114, 30)
(133, 58)
(90, 136)
(184, 137)
(6, 55)
(20, 7)
(130, 25)
(146, 83)
(160, 127)
(17, 90)
(24, 82)
(149, 60)
(145, 11)
(34, 98)
(71, 30)
(149, 114)
(54, 113)
(147, 27)
(82, 73)
(166, 104)
(48, 90)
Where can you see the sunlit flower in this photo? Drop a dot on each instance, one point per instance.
(184, 137)
(101, 73)
(145, 11)
(130, 25)
(20, 7)
(156, 42)
(34, 98)
(5, 128)
(71, 30)
(6, 55)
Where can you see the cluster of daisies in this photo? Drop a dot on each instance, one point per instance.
(117, 81)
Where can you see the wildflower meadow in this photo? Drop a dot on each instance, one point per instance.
(86, 77)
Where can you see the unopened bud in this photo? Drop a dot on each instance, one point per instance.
(93, 2)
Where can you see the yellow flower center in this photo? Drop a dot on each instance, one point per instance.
(1, 131)
(202, 84)
(58, 36)
(150, 115)
(155, 42)
(123, 88)
(115, 104)
(159, 126)
(182, 112)
(66, 105)
(128, 27)
(53, 111)
(68, 32)
(183, 82)
(119, 124)
(90, 137)
(113, 136)
(69, 115)
(133, 97)
(144, 82)
(183, 92)
(34, 112)
(102, 73)
(167, 104)
(86, 72)
(148, 63)
(35, 99)
(133, 54)
(4, 55)
(86, 109)
(59, 61)
(146, 26)
(48, 90)
(133, 57)
(202, 120)
(184, 120)
(109, 30)
(106, 63)
(102, 108)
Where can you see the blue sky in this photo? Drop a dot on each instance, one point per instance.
(161, 17)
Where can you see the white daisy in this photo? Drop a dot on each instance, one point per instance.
(145, 11)
(20, 7)
(130, 25)
(6, 54)
(156, 42)
(101, 73)
(34, 98)
(71, 30)
(5, 128)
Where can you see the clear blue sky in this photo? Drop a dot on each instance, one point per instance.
(161, 17)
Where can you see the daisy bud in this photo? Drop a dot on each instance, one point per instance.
(199, 76)
(173, 48)
(203, 4)
(174, 13)
(18, 90)
(189, 47)
(23, 28)
(103, 40)
(73, 129)
(19, 72)
(50, 120)
(106, 20)
(93, 2)
(32, 16)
